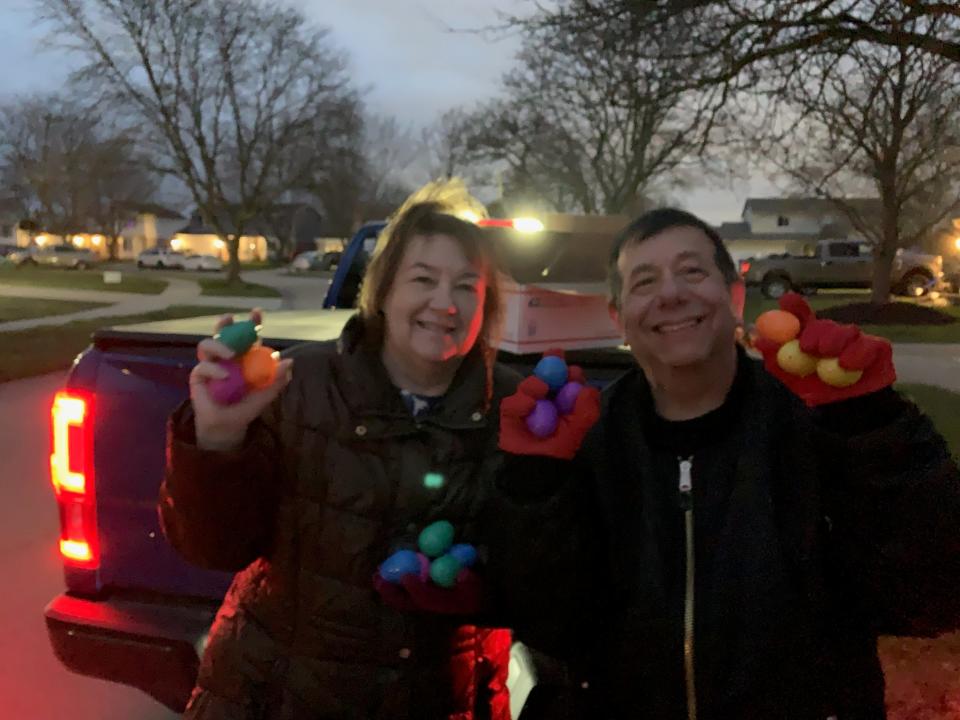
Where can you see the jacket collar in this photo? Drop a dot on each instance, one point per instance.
(371, 394)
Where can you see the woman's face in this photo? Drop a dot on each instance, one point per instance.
(434, 310)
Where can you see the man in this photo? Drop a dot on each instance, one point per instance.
(718, 547)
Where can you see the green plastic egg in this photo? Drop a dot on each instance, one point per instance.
(238, 336)
(435, 539)
(444, 571)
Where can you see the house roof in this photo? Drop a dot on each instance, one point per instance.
(813, 205)
(283, 216)
(146, 208)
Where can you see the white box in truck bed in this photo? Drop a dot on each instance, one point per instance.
(571, 316)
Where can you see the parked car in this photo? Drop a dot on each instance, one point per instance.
(315, 260)
(202, 262)
(8, 249)
(841, 264)
(66, 255)
(160, 258)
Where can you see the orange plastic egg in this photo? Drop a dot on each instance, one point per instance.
(778, 326)
(259, 366)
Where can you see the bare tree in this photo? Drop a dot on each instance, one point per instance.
(882, 119)
(587, 122)
(226, 88)
(729, 37)
(70, 169)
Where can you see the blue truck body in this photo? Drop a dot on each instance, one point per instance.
(140, 617)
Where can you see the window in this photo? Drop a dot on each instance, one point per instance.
(844, 250)
(783, 221)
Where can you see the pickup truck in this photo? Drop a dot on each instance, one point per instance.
(133, 611)
(840, 264)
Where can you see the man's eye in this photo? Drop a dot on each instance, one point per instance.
(467, 287)
(693, 272)
(642, 283)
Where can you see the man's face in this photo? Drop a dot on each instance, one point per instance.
(676, 309)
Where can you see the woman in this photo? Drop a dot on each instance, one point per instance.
(307, 486)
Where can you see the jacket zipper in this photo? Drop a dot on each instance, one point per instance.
(686, 503)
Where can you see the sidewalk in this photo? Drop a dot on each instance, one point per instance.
(177, 292)
(928, 364)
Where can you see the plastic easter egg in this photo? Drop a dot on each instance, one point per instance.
(232, 388)
(402, 562)
(424, 566)
(435, 539)
(542, 421)
(795, 361)
(567, 397)
(829, 370)
(238, 336)
(778, 326)
(553, 371)
(444, 571)
(465, 554)
(259, 366)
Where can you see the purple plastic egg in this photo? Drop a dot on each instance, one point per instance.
(230, 389)
(542, 422)
(567, 397)
(424, 566)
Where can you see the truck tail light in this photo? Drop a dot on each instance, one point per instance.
(520, 224)
(71, 472)
(744, 267)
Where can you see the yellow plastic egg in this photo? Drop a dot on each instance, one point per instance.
(778, 326)
(795, 361)
(829, 370)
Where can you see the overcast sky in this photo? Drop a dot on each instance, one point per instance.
(403, 51)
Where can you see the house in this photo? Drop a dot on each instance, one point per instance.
(11, 216)
(770, 226)
(149, 225)
(143, 226)
(288, 229)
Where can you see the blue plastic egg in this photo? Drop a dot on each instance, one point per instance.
(553, 371)
(402, 562)
(465, 554)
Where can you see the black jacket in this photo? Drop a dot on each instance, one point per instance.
(328, 483)
(815, 531)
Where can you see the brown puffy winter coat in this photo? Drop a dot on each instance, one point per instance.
(328, 482)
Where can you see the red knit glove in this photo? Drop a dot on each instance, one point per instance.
(824, 339)
(413, 594)
(515, 436)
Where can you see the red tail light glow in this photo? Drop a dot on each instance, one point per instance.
(744, 267)
(71, 472)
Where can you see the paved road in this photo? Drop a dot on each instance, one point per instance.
(300, 292)
(33, 684)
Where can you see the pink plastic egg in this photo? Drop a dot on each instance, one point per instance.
(230, 389)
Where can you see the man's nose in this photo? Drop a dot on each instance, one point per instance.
(670, 289)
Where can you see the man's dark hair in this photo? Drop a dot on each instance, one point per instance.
(655, 222)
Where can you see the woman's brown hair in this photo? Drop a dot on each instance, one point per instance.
(440, 208)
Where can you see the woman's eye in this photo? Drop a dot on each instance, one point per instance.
(423, 279)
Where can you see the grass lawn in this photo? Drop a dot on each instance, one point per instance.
(17, 308)
(45, 349)
(217, 286)
(757, 304)
(132, 282)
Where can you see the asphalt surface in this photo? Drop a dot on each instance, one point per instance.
(33, 684)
